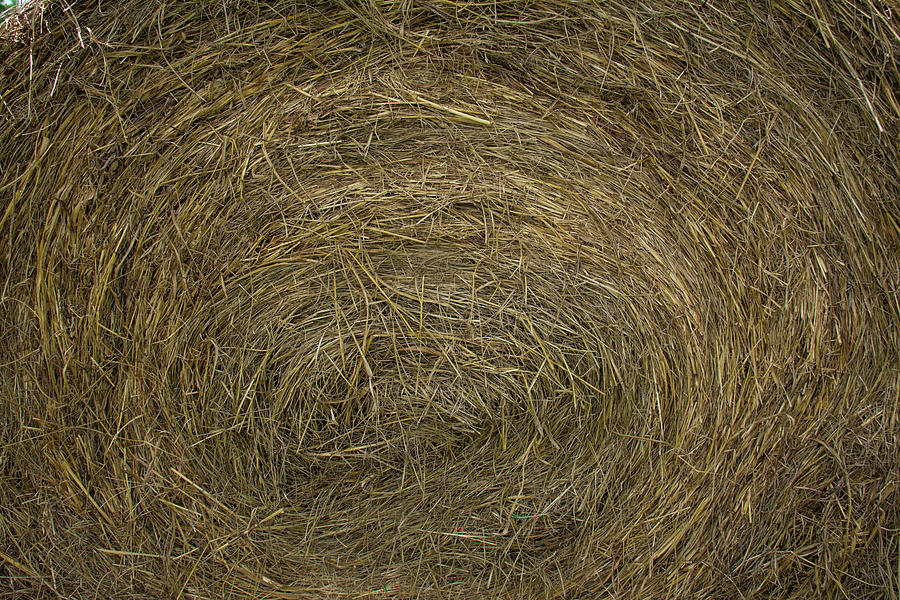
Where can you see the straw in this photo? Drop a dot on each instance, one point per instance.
(450, 300)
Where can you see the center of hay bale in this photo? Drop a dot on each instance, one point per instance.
(368, 322)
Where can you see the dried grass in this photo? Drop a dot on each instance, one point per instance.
(450, 300)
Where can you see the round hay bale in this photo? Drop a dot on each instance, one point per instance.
(450, 300)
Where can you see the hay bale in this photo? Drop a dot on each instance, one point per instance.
(438, 300)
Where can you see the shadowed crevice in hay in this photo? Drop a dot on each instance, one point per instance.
(542, 299)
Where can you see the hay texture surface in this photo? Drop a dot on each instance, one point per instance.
(450, 300)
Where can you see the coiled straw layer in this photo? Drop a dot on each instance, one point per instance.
(450, 300)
